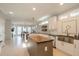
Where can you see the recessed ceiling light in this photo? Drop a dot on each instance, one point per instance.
(11, 12)
(61, 3)
(34, 9)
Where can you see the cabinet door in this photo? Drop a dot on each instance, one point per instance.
(70, 26)
(52, 26)
(76, 47)
(65, 47)
(77, 18)
(59, 27)
(68, 48)
(59, 45)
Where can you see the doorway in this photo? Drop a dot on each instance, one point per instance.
(17, 34)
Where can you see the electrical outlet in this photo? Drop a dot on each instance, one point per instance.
(45, 48)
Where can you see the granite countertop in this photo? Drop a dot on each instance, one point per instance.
(40, 38)
(54, 35)
(73, 37)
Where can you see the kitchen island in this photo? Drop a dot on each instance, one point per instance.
(40, 45)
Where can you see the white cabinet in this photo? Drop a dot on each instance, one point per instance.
(59, 27)
(76, 42)
(69, 25)
(65, 47)
(76, 47)
(77, 24)
(68, 48)
(60, 45)
(52, 25)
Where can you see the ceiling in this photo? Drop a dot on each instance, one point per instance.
(23, 11)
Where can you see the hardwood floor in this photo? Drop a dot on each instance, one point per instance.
(15, 48)
(57, 52)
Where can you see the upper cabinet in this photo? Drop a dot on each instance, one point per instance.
(77, 25)
(59, 27)
(69, 26)
(52, 25)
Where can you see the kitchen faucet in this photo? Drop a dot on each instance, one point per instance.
(67, 29)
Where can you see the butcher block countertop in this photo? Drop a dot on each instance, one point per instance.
(39, 38)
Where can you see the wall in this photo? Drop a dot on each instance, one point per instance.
(8, 34)
(5, 27)
(21, 22)
(2, 28)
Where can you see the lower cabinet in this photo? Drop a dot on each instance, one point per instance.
(76, 47)
(65, 47)
(59, 45)
(69, 48)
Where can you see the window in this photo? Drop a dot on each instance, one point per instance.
(19, 30)
(42, 23)
(29, 29)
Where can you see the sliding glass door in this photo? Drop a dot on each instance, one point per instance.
(19, 29)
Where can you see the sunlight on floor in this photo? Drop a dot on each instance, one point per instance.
(57, 52)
